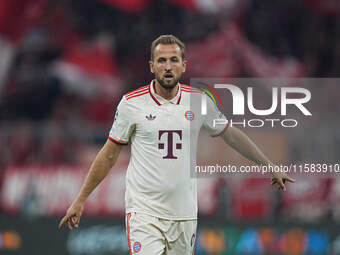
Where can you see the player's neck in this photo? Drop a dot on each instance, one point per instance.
(167, 94)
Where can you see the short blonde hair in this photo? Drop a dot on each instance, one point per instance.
(167, 39)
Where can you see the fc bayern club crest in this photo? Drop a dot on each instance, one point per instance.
(189, 115)
(137, 246)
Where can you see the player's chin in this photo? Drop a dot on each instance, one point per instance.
(169, 84)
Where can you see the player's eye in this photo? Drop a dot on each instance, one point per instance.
(161, 60)
(175, 59)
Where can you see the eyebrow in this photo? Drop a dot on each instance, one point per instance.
(161, 59)
(164, 58)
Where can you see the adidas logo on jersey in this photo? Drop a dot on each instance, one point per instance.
(150, 117)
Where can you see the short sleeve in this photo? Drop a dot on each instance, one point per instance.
(215, 122)
(123, 125)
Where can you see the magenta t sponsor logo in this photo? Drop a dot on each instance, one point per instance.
(170, 142)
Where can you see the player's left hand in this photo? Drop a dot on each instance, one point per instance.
(280, 179)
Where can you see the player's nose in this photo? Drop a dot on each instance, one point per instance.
(168, 66)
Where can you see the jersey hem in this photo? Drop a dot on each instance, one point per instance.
(223, 130)
(161, 216)
(116, 141)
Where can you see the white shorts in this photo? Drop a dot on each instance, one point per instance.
(148, 235)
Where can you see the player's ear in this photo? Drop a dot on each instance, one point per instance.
(151, 66)
(184, 65)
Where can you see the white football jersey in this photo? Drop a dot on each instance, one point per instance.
(163, 136)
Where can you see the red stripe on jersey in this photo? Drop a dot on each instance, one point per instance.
(116, 141)
(188, 87)
(137, 95)
(224, 129)
(179, 98)
(136, 90)
(193, 91)
(157, 102)
(128, 217)
(193, 88)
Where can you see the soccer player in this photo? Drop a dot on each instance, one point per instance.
(161, 196)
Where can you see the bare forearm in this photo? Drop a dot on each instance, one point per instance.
(239, 141)
(100, 167)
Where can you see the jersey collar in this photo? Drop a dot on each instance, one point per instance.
(160, 100)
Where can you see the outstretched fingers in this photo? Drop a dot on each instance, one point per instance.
(63, 221)
(288, 179)
(280, 183)
(69, 221)
(75, 221)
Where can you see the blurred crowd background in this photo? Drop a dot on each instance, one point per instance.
(64, 66)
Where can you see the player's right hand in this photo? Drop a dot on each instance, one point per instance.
(72, 217)
(280, 179)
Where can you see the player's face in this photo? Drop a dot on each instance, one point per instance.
(168, 65)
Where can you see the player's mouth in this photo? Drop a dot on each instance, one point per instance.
(168, 77)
